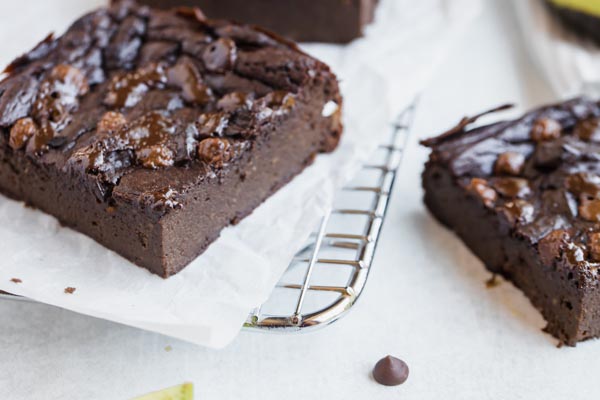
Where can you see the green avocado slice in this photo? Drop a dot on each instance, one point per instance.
(585, 6)
(179, 392)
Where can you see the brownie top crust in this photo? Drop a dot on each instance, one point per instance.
(539, 173)
(151, 100)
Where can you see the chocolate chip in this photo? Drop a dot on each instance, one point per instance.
(548, 155)
(279, 99)
(510, 163)
(481, 189)
(16, 280)
(233, 101)
(127, 89)
(71, 77)
(70, 290)
(155, 156)
(590, 209)
(583, 183)
(512, 187)
(186, 76)
(215, 151)
(209, 124)
(57, 142)
(518, 212)
(574, 253)
(21, 132)
(551, 246)
(220, 55)
(545, 129)
(588, 130)
(594, 245)
(111, 122)
(390, 371)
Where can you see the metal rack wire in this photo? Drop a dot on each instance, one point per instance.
(328, 275)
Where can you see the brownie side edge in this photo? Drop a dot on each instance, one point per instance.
(567, 307)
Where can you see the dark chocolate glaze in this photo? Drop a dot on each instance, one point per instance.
(524, 194)
(557, 174)
(126, 89)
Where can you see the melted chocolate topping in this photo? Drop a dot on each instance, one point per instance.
(127, 89)
(540, 173)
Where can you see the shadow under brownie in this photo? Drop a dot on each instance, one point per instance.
(151, 131)
(524, 195)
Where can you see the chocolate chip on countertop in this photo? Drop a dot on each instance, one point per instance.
(390, 371)
(481, 188)
(545, 129)
(70, 290)
(510, 163)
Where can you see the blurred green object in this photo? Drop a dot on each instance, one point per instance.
(179, 392)
(584, 6)
(580, 16)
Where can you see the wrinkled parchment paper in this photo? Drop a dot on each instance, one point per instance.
(208, 302)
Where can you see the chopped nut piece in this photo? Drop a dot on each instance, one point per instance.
(545, 129)
(590, 209)
(216, 152)
(512, 187)
(510, 163)
(518, 212)
(481, 188)
(111, 122)
(588, 130)
(21, 132)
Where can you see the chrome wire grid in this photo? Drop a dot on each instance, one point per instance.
(328, 275)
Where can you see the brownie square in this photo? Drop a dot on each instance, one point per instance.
(150, 131)
(524, 195)
(335, 21)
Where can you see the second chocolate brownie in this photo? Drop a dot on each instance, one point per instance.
(335, 21)
(524, 195)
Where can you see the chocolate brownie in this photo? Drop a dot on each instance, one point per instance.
(524, 195)
(151, 131)
(582, 16)
(336, 21)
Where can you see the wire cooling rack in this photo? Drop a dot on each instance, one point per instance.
(328, 275)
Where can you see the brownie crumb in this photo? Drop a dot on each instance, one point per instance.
(16, 280)
(492, 282)
(70, 290)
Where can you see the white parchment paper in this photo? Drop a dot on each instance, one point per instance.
(208, 302)
(570, 63)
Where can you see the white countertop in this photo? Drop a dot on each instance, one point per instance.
(426, 300)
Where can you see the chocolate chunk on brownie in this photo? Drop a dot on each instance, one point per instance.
(524, 195)
(151, 131)
(335, 21)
